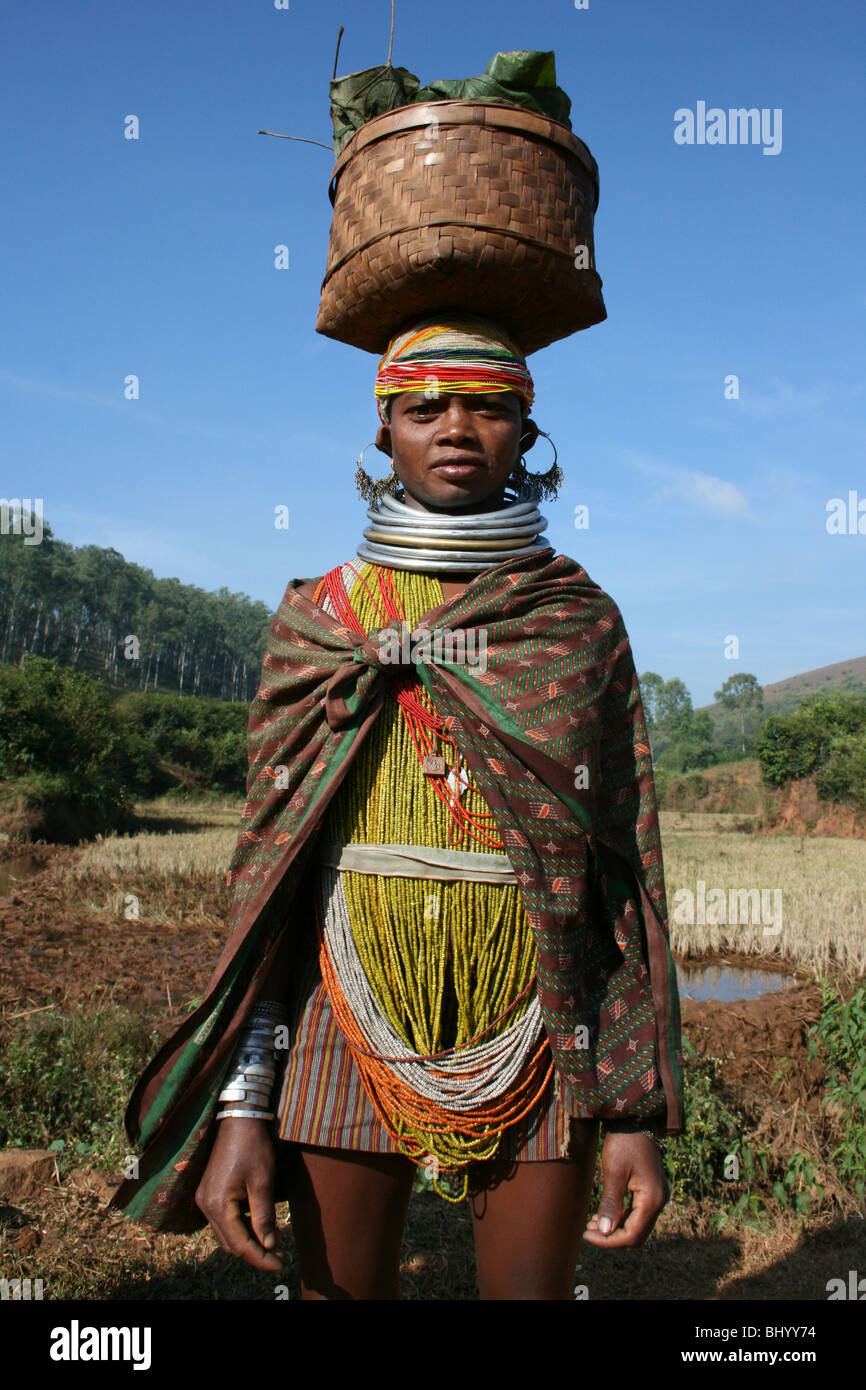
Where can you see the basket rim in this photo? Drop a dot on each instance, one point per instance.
(463, 111)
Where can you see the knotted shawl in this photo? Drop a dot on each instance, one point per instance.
(554, 733)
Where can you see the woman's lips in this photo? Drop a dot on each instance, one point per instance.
(457, 468)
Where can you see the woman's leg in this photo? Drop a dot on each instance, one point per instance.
(529, 1219)
(348, 1210)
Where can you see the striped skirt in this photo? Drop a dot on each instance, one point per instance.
(323, 1100)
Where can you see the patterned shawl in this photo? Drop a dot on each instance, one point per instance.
(554, 733)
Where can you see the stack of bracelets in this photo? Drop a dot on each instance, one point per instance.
(253, 1071)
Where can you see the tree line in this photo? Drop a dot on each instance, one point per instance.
(76, 755)
(684, 739)
(823, 736)
(90, 609)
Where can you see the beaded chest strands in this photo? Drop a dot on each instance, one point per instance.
(431, 981)
(449, 1102)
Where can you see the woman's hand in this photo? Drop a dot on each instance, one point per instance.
(240, 1175)
(629, 1163)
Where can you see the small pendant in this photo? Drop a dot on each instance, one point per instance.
(434, 765)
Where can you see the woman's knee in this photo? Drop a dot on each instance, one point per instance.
(347, 1212)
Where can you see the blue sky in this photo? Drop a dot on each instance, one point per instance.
(156, 257)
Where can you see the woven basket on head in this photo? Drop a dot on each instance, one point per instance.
(462, 205)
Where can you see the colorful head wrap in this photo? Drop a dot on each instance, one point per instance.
(452, 354)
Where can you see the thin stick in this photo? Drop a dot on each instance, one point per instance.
(278, 136)
(25, 1012)
(337, 54)
(391, 36)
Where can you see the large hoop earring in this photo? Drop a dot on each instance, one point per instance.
(537, 486)
(372, 489)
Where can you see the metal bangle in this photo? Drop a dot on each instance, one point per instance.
(267, 1011)
(241, 1081)
(245, 1093)
(254, 1073)
(250, 1082)
(258, 1042)
(263, 1047)
(245, 1071)
(245, 1115)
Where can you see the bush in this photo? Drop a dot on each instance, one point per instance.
(677, 793)
(62, 745)
(839, 1037)
(805, 741)
(65, 1081)
(208, 737)
(843, 777)
(712, 1132)
(73, 757)
(687, 756)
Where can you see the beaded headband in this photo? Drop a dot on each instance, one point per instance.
(469, 354)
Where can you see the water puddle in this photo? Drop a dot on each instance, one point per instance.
(711, 980)
(15, 871)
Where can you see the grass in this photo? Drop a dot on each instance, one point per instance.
(822, 880)
(175, 870)
(187, 837)
(823, 885)
(65, 1080)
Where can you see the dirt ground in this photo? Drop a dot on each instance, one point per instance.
(798, 810)
(58, 949)
(67, 1237)
(795, 809)
(751, 1036)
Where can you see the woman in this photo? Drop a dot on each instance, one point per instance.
(474, 972)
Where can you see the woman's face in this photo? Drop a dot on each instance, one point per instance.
(455, 451)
